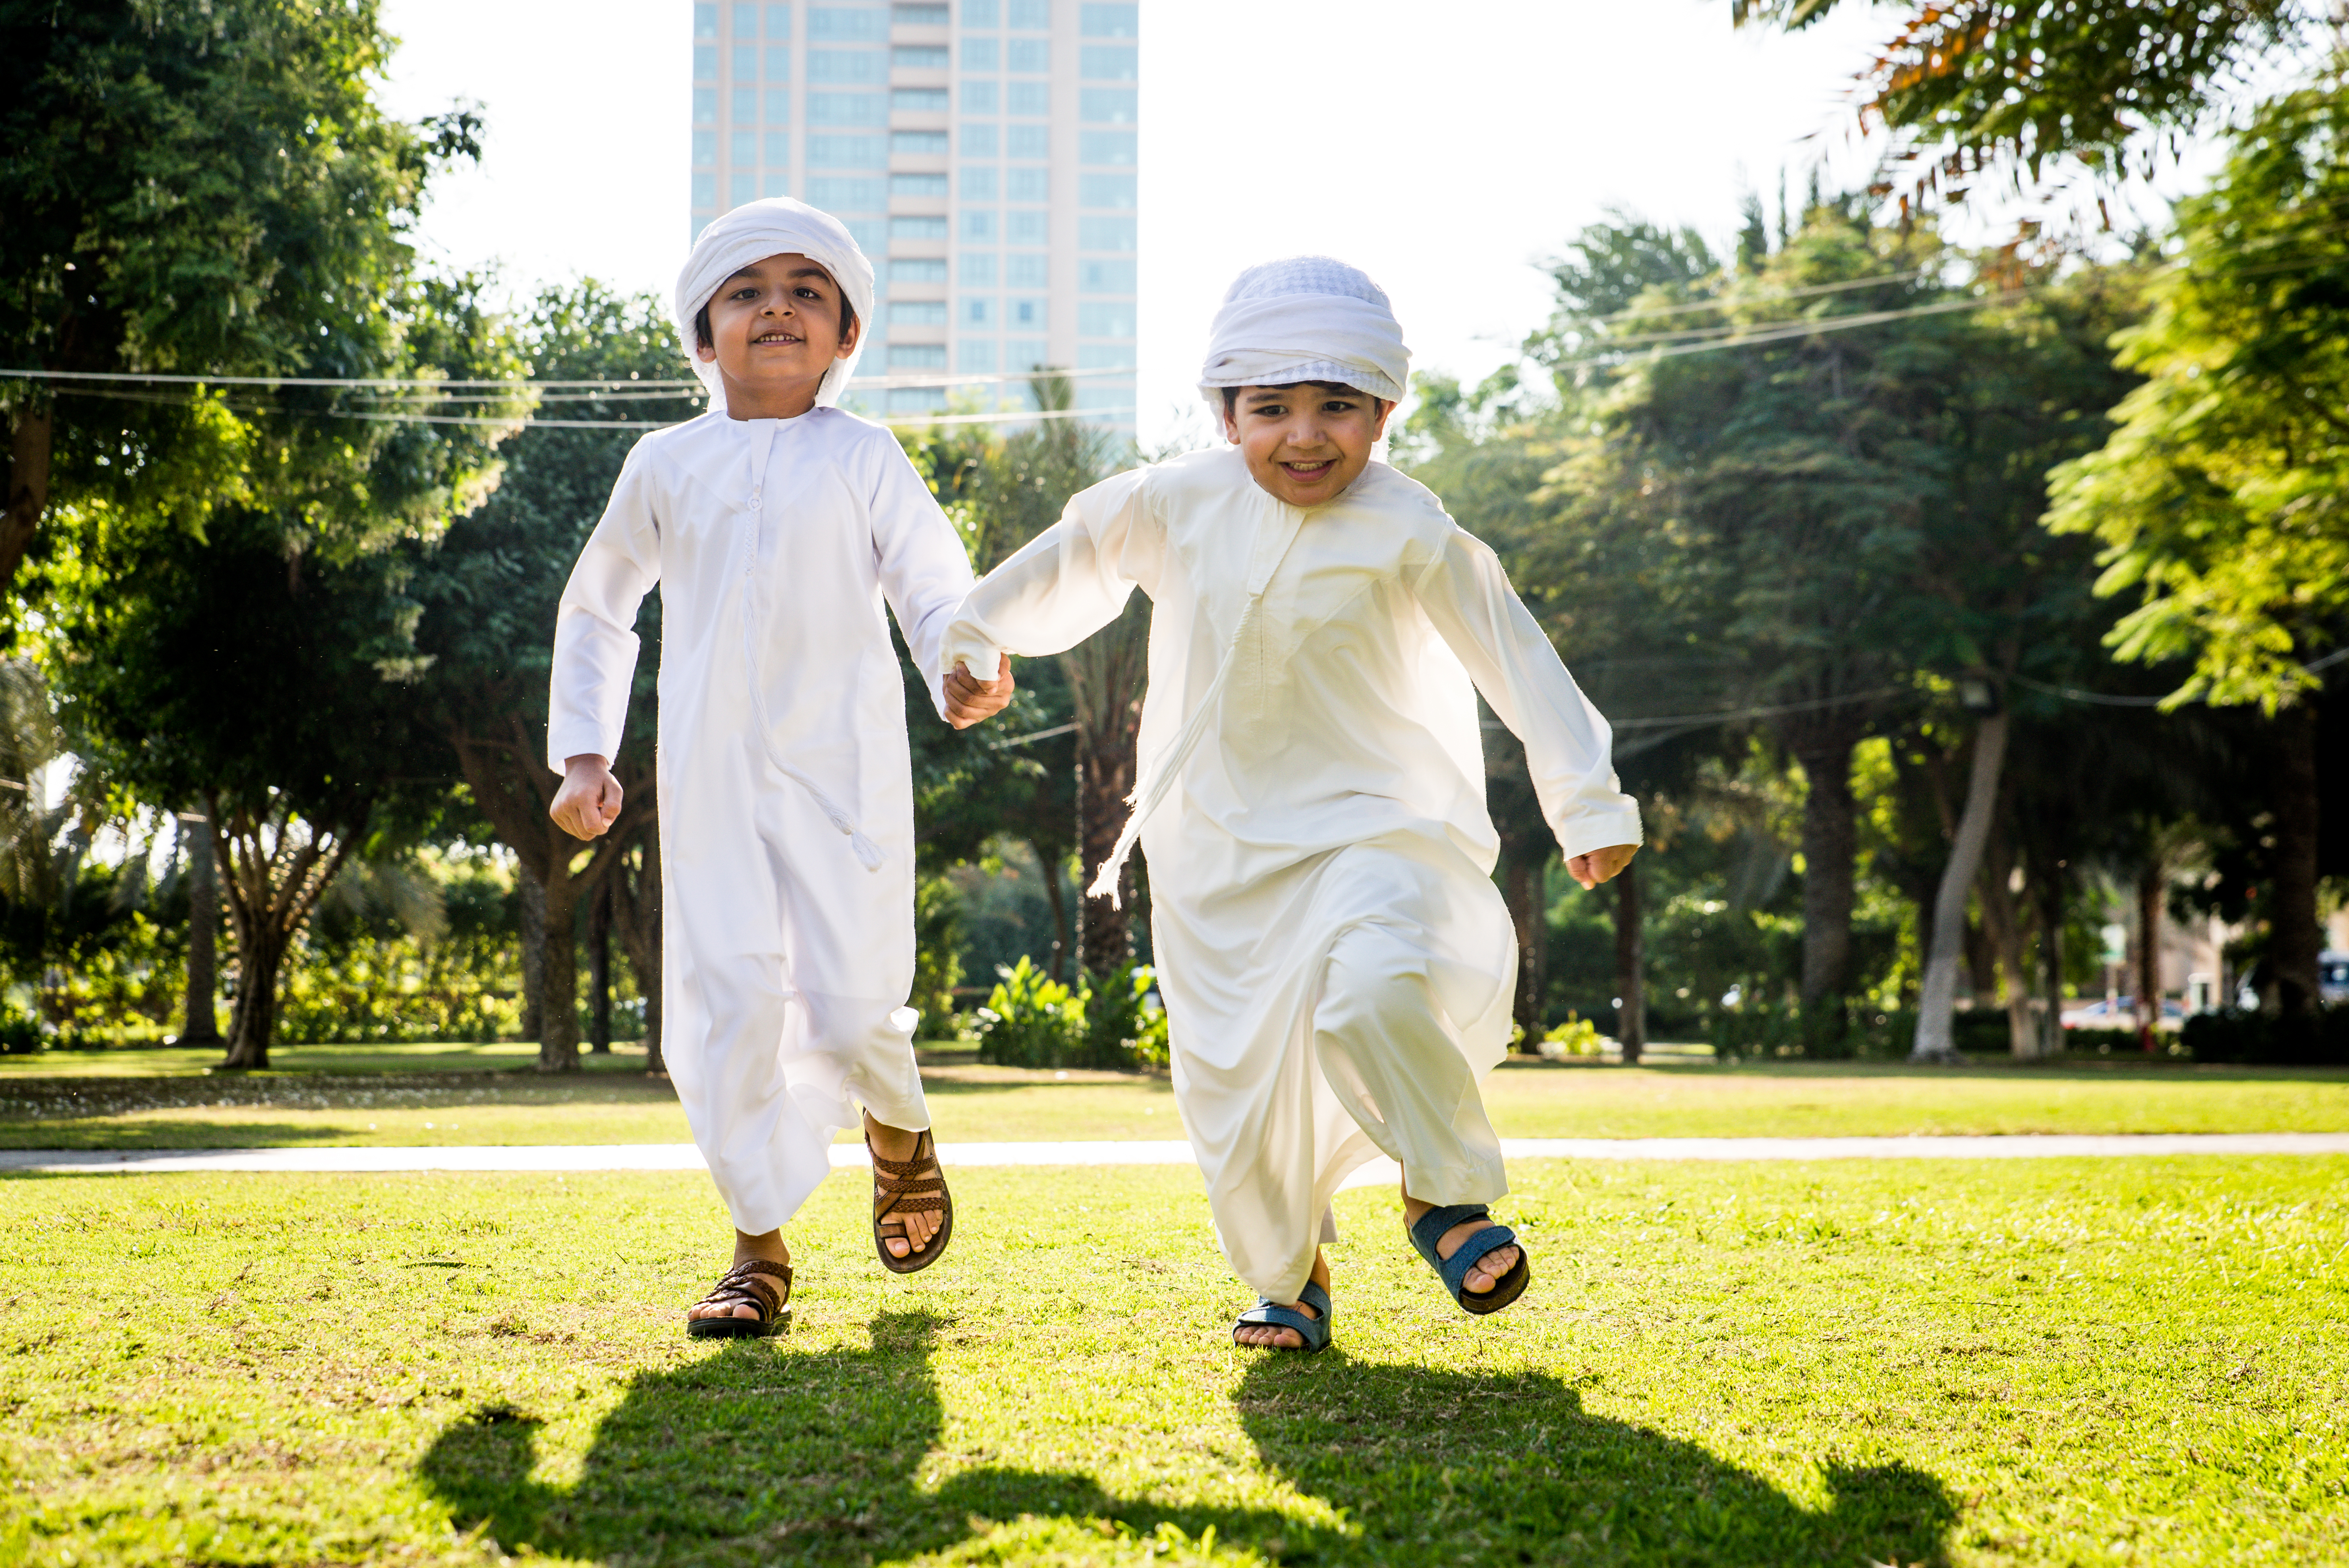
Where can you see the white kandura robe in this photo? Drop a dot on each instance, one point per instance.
(1336, 964)
(786, 791)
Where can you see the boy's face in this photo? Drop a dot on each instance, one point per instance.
(775, 330)
(1306, 443)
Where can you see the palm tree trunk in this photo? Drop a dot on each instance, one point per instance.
(599, 970)
(202, 1025)
(534, 955)
(2295, 944)
(1630, 967)
(2151, 882)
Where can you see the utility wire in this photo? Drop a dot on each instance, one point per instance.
(426, 386)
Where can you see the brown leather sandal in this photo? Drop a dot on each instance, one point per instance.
(900, 1188)
(742, 1284)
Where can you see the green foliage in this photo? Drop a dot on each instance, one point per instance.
(1030, 1020)
(2222, 499)
(1125, 1025)
(938, 952)
(2313, 1039)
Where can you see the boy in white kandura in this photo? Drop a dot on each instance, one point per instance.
(1336, 962)
(775, 525)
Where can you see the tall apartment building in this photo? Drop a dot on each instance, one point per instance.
(982, 151)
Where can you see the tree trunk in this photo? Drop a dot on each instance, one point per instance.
(637, 916)
(1052, 895)
(1936, 1008)
(1828, 851)
(533, 954)
(1104, 778)
(2150, 882)
(1630, 967)
(2295, 943)
(31, 430)
(1519, 879)
(2051, 965)
(260, 957)
(2002, 924)
(558, 999)
(599, 970)
(272, 883)
(202, 1028)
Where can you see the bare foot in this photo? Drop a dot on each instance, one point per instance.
(1272, 1336)
(770, 1247)
(1486, 1272)
(921, 1224)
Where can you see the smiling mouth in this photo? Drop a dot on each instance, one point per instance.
(1309, 470)
(773, 337)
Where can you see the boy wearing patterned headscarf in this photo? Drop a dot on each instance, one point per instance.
(776, 526)
(1336, 962)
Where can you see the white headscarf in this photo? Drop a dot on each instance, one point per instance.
(754, 232)
(1308, 318)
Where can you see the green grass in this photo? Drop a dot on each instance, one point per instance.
(359, 1101)
(173, 1061)
(2120, 1361)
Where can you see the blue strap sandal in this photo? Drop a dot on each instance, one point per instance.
(1269, 1313)
(1453, 1270)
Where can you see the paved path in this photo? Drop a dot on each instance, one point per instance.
(685, 1157)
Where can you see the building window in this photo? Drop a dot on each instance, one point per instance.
(918, 15)
(977, 311)
(918, 185)
(918, 357)
(847, 108)
(1031, 141)
(1031, 98)
(1106, 147)
(1108, 63)
(1025, 353)
(857, 66)
(746, 106)
(847, 193)
(905, 228)
(1105, 234)
(868, 233)
(861, 24)
(1029, 185)
(779, 21)
(1106, 190)
(918, 399)
(779, 148)
(1109, 21)
(1027, 315)
(1104, 356)
(977, 269)
(705, 106)
(746, 62)
(918, 143)
(774, 183)
(982, 14)
(744, 147)
(917, 270)
(779, 62)
(746, 20)
(979, 184)
(705, 21)
(705, 146)
(918, 100)
(1108, 106)
(979, 223)
(705, 62)
(978, 97)
(1024, 271)
(917, 313)
(705, 188)
(1029, 229)
(846, 152)
(742, 186)
(1032, 16)
(974, 354)
(1030, 57)
(1104, 318)
(979, 140)
(918, 57)
(981, 54)
(1105, 274)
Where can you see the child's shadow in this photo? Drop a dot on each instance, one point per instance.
(758, 1454)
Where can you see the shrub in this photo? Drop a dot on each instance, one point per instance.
(1030, 1020)
(1578, 1037)
(2321, 1039)
(1125, 1026)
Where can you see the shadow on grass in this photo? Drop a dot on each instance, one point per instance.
(142, 1136)
(758, 1454)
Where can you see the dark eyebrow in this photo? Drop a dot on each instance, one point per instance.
(809, 272)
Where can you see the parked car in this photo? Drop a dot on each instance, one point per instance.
(2120, 1013)
(2333, 977)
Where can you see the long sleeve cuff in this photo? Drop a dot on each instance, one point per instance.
(566, 740)
(1589, 830)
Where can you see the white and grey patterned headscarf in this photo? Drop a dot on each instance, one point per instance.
(1307, 318)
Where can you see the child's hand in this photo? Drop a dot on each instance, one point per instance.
(968, 699)
(589, 800)
(1600, 865)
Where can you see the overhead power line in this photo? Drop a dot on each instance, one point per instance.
(430, 385)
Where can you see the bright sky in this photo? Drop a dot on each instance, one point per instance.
(1442, 155)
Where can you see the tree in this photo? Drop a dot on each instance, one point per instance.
(490, 587)
(194, 191)
(2219, 499)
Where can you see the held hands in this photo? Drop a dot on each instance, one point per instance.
(969, 699)
(589, 800)
(1600, 865)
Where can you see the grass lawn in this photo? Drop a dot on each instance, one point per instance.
(486, 1094)
(2116, 1361)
